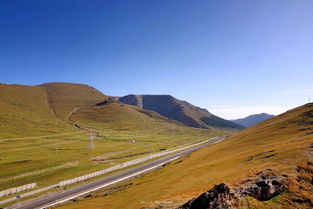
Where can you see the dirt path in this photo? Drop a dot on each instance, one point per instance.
(36, 147)
(65, 165)
(44, 136)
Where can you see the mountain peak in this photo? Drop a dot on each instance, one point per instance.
(252, 120)
(179, 110)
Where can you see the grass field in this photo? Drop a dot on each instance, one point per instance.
(47, 160)
(288, 138)
(39, 143)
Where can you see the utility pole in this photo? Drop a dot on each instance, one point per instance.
(18, 199)
(91, 137)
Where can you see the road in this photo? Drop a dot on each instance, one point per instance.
(69, 194)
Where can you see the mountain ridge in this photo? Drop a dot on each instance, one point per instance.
(67, 106)
(252, 162)
(252, 120)
(48, 125)
(179, 110)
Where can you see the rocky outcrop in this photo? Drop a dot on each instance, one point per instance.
(264, 190)
(109, 100)
(219, 197)
(263, 186)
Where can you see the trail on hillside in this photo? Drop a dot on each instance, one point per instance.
(65, 165)
(36, 147)
(50, 105)
(68, 117)
(44, 136)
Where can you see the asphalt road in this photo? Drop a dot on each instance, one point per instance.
(69, 194)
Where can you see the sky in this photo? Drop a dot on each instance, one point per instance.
(234, 58)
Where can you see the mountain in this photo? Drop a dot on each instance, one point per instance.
(26, 111)
(269, 165)
(252, 120)
(63, 98)
(54, 107)
(178, 110)
(57, 130)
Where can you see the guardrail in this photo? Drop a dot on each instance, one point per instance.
(129, 163)
(17, 189)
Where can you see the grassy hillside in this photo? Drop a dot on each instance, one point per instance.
(44, 132)
(116, 115)
(283, 144)
(40, 110)
(64, 98)
(178, 110)
(25, 111)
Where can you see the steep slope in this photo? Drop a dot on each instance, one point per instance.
(116, 115)
(179, 110)
(64, 98)
(280, 148)
(252, 120)
(44, 109)
(54, 107)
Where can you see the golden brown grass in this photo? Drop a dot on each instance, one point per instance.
(24, 111)
(282, 144)
(65, 97)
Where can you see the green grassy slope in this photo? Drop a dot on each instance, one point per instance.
(38, 142)
(25, 111)
(283, 144)
(117, 115)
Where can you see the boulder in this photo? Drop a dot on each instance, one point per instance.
(262, 186)
(217, 198)
(263, 189)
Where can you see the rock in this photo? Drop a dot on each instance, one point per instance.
(264, 189)
(219, 197)
(308, 114)
(309, 133)
(262, 186)
(109, 100)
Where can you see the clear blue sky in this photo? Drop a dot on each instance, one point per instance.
(232, 57)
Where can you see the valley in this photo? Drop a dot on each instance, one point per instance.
(173, 104)
(280, 146)
(58, 131)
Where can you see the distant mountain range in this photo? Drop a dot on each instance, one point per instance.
(182, 111)
(252, 120)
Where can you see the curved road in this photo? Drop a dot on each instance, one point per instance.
(69, 194)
